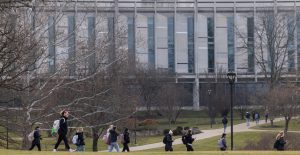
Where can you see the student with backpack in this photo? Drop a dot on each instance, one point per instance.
(257, 117)
(62, 131)
(248, 119)
(168, 141)
(113, 137)
(36, 138)
(125, 140)
(280, 141)
(188, 140)
(224, 122)
(78, 139)
(222, 142)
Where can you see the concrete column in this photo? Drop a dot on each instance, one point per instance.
(196, 104)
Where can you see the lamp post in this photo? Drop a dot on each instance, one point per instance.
(231, 78)
(209, 107)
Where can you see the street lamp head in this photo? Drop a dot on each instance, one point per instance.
(231, 77)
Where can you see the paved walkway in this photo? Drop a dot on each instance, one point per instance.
(205, 134)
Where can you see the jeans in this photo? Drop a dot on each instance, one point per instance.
(112, 146)
(225, 126)
(80, 148)
(248, 122)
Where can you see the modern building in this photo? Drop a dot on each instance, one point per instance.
(193, 38)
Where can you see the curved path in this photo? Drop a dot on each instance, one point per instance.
(205, 134)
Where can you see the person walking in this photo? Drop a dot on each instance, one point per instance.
(80, 140)
(189, 141)
(222, 142)
(168, 141)
(63, 131)
(248, 119)
(224, 121)
(257, 117)
(266, 115)
(36, 139)
(280, 141)
(253, 115)
(126, 140)
(113, 137)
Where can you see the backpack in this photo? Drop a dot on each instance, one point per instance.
(31, 136)
(275, 146)
(220, 143)
(106, 138)
(75, 139)
(184, 140)
(165, 140)
(122, 138)
(55, 126)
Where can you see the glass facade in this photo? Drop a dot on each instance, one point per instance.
(151, 42)
(171, 47)
(250, 43)
(71, 45)
(230, 43)
(91, 45)
(111, 34)
(290, 44)
(211, 44)
(131, 41)
(51, 43)
(190, 31)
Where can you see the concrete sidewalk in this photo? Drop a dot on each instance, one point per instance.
(205, 134)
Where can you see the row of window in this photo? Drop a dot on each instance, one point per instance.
(170, 43)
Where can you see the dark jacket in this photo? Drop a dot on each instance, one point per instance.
(126, 137)
(63, 126)
(37, 136)
(248, 115)
(169, 139)
(189, 139)
(224, 120)
(80, 140)
(113, 136)
(280, 144)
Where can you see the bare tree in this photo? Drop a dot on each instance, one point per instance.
(283, 100)
(273, 46)
(172, 98)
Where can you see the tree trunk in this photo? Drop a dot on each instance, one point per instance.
(95, 139)
(286, 126)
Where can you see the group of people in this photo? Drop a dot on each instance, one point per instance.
(112, 135)
(78, 139)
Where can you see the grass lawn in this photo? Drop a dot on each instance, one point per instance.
(11, 152)
(294, 125)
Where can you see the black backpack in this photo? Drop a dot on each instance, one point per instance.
(184, 140)
(165, 139)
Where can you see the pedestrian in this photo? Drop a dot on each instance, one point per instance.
(280, 141)
(266, 115)
(63, 131)
(113, 137)
(257, 117)
(126, 140)
(168, 141)
(248, 119)
(189, 141)
(222, 142)
(224, 121)
(37, 139)
(80, 140)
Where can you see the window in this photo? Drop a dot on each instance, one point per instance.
(211, 46)
(71, 45)
(91, 45)
(190, 26)
(291, 45)
(250, 43)
(171, 49)
(230, 41)
(51, 43)
(151, 43)
(131, 41)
